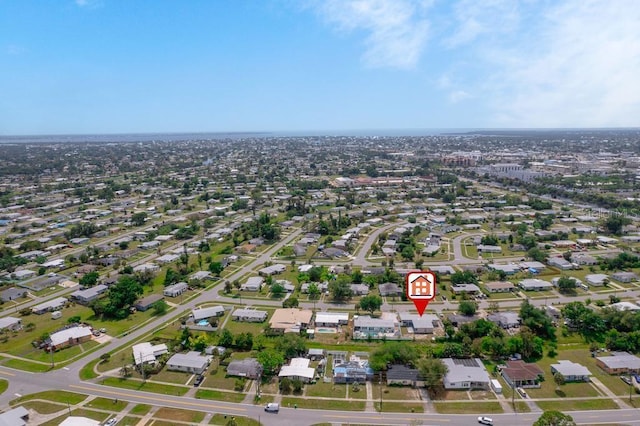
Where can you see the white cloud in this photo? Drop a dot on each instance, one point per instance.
(397, 30)
(582, 70)
(474, 19)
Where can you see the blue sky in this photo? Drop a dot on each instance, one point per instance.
(120, 66)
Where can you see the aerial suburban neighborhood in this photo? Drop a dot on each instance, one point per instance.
(233, 272)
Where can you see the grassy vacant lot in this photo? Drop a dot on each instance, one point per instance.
(107, 404)
(328, 390)
(578, 404)
(4, 384)
(394, 393)
(140, 409)
(129, 421)
(179, 415)
(221, 419)
(44, 407)
(217, 378)
(62, 397)
(255, 328)
(145, 386)
(400, 407)
(219, 395)
(467, 407)
(323, 404)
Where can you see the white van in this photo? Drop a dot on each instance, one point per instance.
(272, 407)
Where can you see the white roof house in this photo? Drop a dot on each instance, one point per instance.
(191, 362)
(204, 313)
(535, 284)
(69, 334)
(298, 368)
(465, 374)
(11, 323)
(331, 318)
(253, 284)
(146, 352)
(571, 371)
(51, 305)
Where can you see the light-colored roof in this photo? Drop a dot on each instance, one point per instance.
(191, 359)
(335, 317)
(146, 352)
(63, 336)
(570, 368)
(620, 360)
(285, 318)
(204, 313)
(14, 417)
(79, 421)
(298, 367)
(465, 370)
(368, 322)
(249, 313)
(58, 301)
(8, 322)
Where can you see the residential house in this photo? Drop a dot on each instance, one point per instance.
(389, 289)
(201, 314)
(596, 280)
(191, 362)
(619, 363)
(249, 315)
(442, 270)
(316, 354)
(10, 323)
(13, 293)
(299, 369)
(483, 248)
(272, 270)
(252, 284)
(365, 326)
(18, 416)
(331, 319)
(425, 324)
(465, 374)
(499, 286)
(624, 277)
(535, 284)
(508, 269)
(290, 320)
(518, 373)
(506, 320)
(147, 302)
(51, 305)
(465, 288)
(625, 306)
(84, 297)
(248, 367)
(359, 289)
(323, 287)
(353, 371)
(560, 263)
(398, 374)
(200, 275)
(175, 290)
(69, 337)
(583, 259)
(147, 353)
(571, 371)
(457, 320)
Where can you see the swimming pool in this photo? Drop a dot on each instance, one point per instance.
(326, 330)
(203, 322)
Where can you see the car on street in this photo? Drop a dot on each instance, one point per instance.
(272, 407)
(111, 422)
(485, 420)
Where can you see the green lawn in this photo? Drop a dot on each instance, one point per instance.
(95, 415)
(328, 390)
(467, 407)
(219, 395)
(25, 365)
(222, 419)
(179, 415)
(140, 409)
(323, 404)
(145, 386)
(400, 407)
(217, 378)
(107, 404)
(44, 407)
(87, 373)
(403, 393)
(60, 396)
(129, 421)
(4, 384)
(578, 405)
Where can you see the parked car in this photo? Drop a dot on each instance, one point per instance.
(111, 422)
(272, 407)
(485, 420)
(198, 380)
(522, 392)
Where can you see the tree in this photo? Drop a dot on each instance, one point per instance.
(216, 268)
(291, 345)
(468, 308)
(291, 302)
(340, 290)
(89, 279)
(138, 219)
(558, 379)
(554, 418)
(566, 284)
(160, 307)
(270, 360)
(120, 298)
(228, 287)
(226, 339)
(464, 277)
(314, 291)
(370, 303)
(536, 254)
(615, 223)
(433, 370)
(277, 290)
(393, 353)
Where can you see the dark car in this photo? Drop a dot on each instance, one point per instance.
(198, 380)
